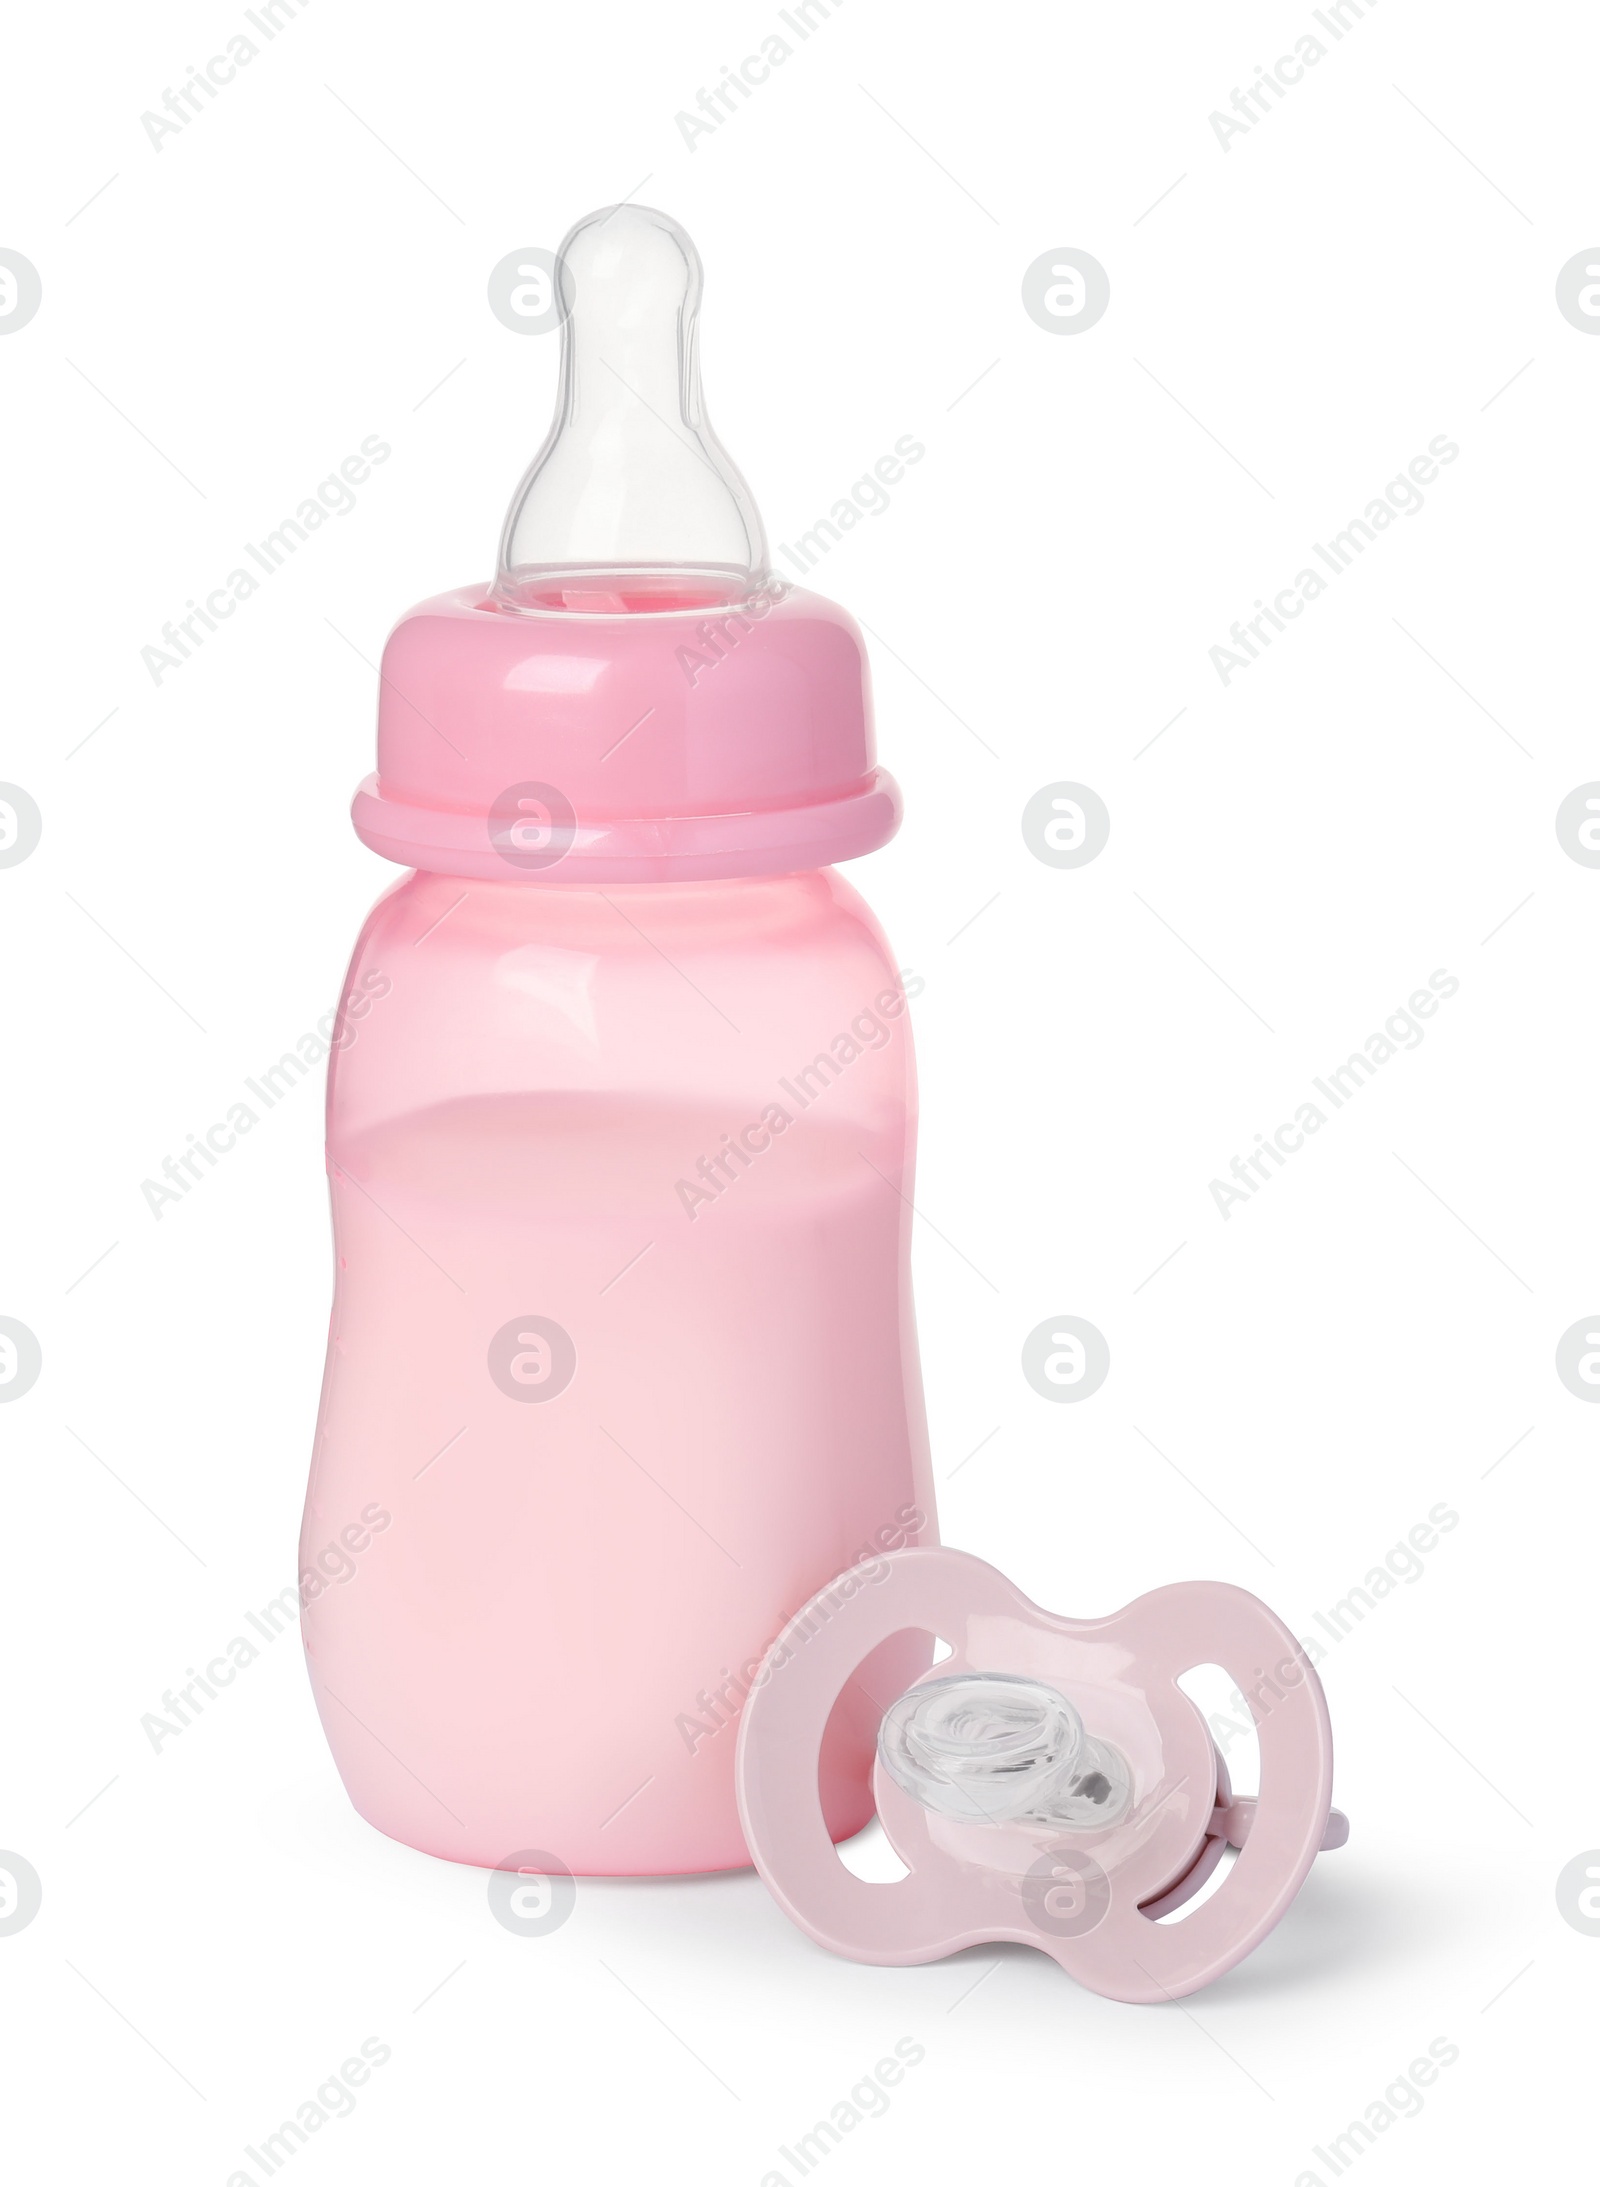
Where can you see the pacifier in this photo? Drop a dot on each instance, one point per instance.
(1048, 1782)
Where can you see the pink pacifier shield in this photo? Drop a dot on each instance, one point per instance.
(1048, 1783)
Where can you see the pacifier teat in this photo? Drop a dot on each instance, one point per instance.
(632, 505)
(994, 1748)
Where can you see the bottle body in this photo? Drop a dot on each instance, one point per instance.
(622, 1365)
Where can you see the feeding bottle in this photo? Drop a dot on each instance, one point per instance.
(621, 1366)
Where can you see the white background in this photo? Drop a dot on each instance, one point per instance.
(1372, 265)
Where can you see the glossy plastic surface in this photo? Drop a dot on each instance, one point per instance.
(1090, 1898)
(621, 1350)
(998, 1748)
(664, 747)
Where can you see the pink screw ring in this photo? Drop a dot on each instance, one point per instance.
(686, 745)
(1049, 1783)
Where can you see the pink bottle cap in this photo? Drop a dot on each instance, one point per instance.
(1048, 1783)
(635, 697)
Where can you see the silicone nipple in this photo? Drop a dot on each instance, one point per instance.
(632, 504)
(989, 1747)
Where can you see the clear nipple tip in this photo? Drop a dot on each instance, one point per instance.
(993, 1748)
(632, 504)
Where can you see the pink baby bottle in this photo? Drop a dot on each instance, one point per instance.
(621, 1367)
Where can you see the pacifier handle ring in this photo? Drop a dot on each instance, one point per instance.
(1126, 1955)
(1212, 1847)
